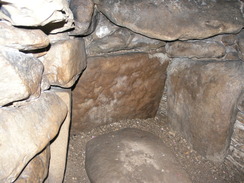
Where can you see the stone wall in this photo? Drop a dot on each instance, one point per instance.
(130, 51)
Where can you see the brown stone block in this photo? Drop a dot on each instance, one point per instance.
(118, 87)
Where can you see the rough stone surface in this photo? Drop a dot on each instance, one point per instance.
(64, 62)
(171, 20)
(22, 39)
(240, 42)
(131, 156)
(108, 37)
(83, 11)
(118, 87)
(37, 169)
(57, 14)
(60, 144)
(202, 98)
(25, 130)
(195, 49)
(20, 76)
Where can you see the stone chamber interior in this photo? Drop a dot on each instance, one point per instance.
(123, 91)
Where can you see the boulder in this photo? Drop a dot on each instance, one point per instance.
(37, 169)
(108, 37)
(131, 156)
(84, 16)
(22, 39)
(117, 87)
(174, 19)
(20, 75)
(202, 99)
(59, 146)
(64, 62)
(25, 130)
(23, 13)
(195, 49)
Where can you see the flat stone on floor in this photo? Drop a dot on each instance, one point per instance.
(132, 156)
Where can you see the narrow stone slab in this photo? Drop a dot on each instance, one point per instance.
(195, 49)
(202, 102)
(174, 19)
(131, 156)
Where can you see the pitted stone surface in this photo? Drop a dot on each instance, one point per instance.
(202, 99)
(116, 87)
(130, 156)
(173, 19)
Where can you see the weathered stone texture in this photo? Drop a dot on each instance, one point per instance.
(173, 19)
(83, 11)
(131, 156)
(118, 87)
(22, 39)
(25, 130)
(23, 13)
(37, 169)
(60, 145)
(236, 155)
(108, 37)
(202, 98)
(240, 42)
(64, 62)
(20, 76)
(195, 49)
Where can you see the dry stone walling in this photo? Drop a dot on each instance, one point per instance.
(133, 47)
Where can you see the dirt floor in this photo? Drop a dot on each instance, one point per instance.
(199, 169)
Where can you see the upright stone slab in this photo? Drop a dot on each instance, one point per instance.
(116, 87)
(174, 19)
(131, 156)
(59, 146)
(202, 97)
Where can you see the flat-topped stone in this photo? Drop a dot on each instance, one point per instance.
(130, 156)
